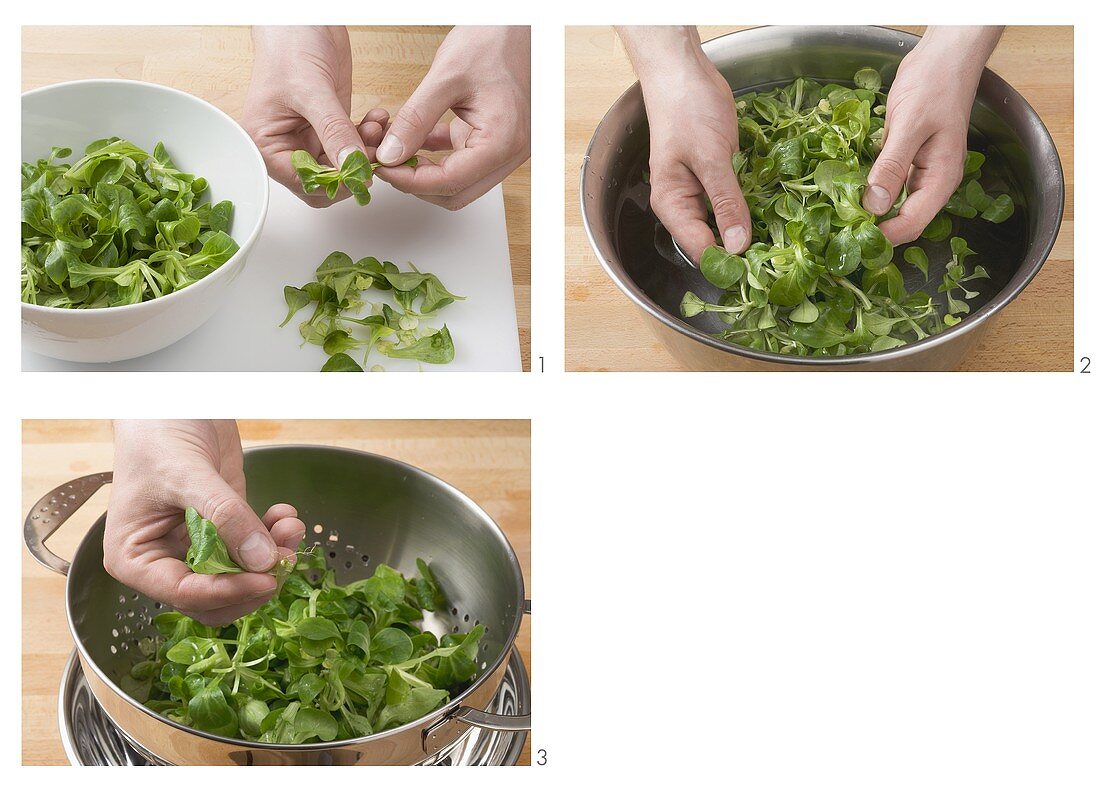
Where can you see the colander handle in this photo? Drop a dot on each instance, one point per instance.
(493, 721)
(436, 736)
(53, 510)
(431, 737)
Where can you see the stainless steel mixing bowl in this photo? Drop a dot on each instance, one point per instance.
(362, 509)
(638, 254)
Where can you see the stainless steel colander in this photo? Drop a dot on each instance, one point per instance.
(362, 510)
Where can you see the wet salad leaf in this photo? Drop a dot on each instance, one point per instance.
(344, 321)
(209, 554)
(319, 662)
(820, 279)
(118, 226)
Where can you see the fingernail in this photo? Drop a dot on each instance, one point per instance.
(344, 154)
(390, 150)
(878, 199)
(735, 239)
(257, 553)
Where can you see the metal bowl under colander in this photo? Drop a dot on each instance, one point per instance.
(362, 509)
(639, 256)
(90, 738)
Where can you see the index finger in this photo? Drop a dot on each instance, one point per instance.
(287, 530)
(681, 209)
(455, 173)
(438, 139)
(919, 208)
(170, 581)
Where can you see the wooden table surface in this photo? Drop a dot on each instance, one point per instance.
(488, 460)
(604, 329)
(215, 63)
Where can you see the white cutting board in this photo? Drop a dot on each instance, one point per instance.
(467, 249)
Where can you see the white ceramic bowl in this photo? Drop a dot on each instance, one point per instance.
(201, 139)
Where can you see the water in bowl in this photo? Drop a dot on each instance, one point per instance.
(653, 262)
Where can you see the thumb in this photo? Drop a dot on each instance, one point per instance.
(248, 540)
(334, 128)
(891, 169)
(731, 213)
(415, 121)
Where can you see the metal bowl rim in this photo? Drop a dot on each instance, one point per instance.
(993, 306)
(438, 714)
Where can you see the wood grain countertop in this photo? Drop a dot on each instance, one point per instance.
(215, 64)
(488, 460)
(604, 329)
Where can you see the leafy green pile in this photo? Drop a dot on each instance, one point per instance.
(116, 227)
(355, 174)
(337, 296)
(820, 277)
(319, 662)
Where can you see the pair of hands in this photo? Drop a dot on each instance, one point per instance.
(161, 468)
(300, 98)
(927, 116)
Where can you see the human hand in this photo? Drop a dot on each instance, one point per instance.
(300, 98)
(482, 74)
(927, 118)
(693, 136)
(161, 468)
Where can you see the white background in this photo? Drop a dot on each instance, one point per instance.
(766, 581)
